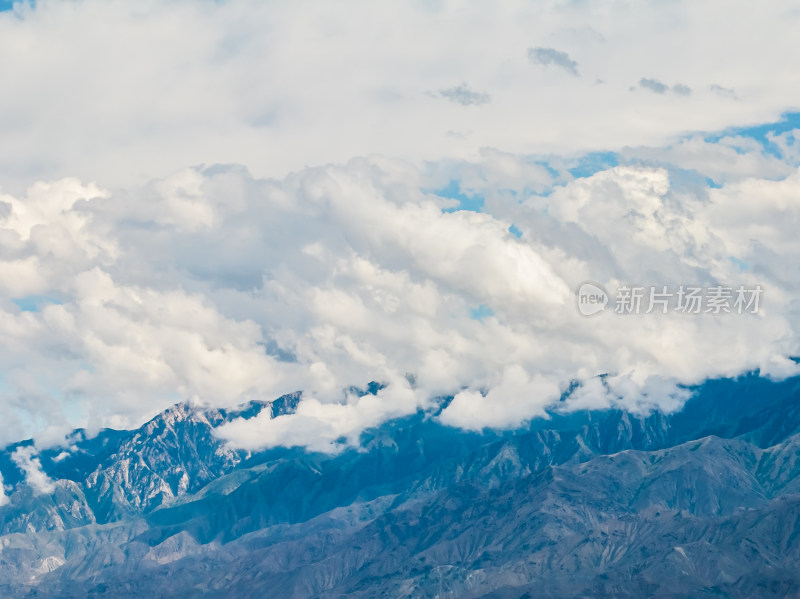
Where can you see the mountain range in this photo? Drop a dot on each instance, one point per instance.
(703, 502)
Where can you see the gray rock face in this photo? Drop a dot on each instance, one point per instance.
(705, 502)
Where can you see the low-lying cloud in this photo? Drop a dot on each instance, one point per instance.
(31, 467)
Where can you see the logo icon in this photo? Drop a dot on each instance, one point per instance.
(592, 298)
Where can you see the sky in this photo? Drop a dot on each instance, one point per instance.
(223, 201)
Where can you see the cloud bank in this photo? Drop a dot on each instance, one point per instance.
(218, 286)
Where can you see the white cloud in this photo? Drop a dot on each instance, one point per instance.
(46, 236)
(731, 158)
(24, 458)
(508, 402)
(161, 282)
(325, 426)
(340, 275)
(283, 85)
(3, 497)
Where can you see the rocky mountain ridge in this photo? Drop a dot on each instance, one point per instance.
(703, 502)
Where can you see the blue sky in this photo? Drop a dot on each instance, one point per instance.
(34, 303)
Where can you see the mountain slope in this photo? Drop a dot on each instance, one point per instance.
(705, 502)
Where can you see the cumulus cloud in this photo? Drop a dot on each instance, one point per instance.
(462, 94)
(216, 285)
(508, 402)
(325, 426)
(551, 56)
(3, 497)
(26, 460)
(158, 282)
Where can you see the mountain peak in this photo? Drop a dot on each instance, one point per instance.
(423, 509)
